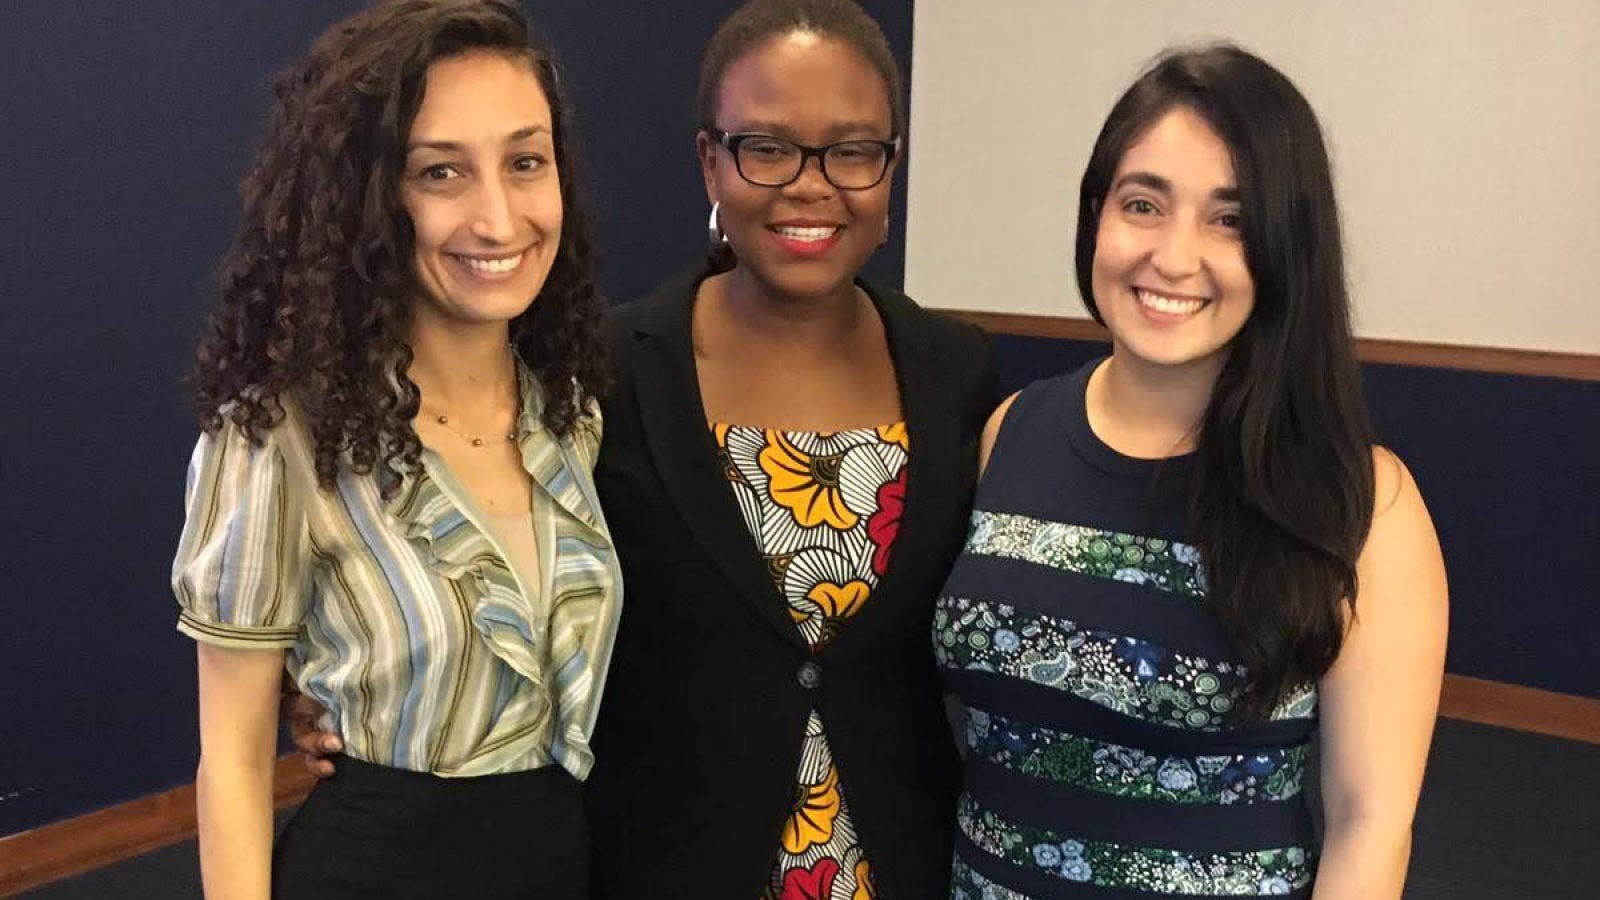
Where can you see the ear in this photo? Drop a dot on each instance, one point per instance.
(706, 149)
(899, 154)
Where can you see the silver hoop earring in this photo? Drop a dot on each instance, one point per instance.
(714, 228)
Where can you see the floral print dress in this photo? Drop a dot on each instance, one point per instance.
(824, 509)
(1102, 757)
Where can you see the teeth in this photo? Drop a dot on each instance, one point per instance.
(492, 266)
(806, 234)
(1164, 304)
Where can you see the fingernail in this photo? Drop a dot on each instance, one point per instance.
(332, 745)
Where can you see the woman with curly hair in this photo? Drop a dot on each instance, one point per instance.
(392, 495)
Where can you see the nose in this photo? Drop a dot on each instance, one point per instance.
(1177, 254)
(811, 184)
(493, 219)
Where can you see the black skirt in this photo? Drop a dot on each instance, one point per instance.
(375, 832)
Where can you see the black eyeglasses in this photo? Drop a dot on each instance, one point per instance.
(767, 161)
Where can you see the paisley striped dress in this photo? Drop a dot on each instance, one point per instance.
(1101, 760)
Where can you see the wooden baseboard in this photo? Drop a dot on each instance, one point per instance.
(1500, 360)
(63, 849)
(1025, 325)
(1521, 708)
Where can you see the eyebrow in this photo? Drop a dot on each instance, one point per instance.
(1162, 186)
(521, 134)
(836, 131)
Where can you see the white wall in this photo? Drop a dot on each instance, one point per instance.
(1465, 137)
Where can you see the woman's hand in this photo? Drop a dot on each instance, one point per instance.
(301, 714)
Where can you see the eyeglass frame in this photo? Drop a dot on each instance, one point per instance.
(731, 141)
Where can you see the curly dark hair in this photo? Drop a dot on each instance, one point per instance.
(317, 289)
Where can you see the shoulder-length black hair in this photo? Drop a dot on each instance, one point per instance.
(1282, 494)
(318, 287)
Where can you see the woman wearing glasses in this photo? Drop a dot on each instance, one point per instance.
(787, 466)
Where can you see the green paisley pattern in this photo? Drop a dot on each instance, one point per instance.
(1165, 565)
(1122, 771)
(1133, 677)
(1238, 874)
(967, 884)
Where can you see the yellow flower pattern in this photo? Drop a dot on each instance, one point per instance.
(863, 889)
(806, 485)
(894, 434)
(815, 808)
(834, 601)
(808, 498)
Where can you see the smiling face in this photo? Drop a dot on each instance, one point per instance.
(1169, 275)
(482, 189)
(808, 238)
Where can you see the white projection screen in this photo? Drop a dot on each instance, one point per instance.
(1465, 137)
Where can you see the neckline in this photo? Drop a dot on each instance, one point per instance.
(1102, 455)
(666, 318)
(899, 423)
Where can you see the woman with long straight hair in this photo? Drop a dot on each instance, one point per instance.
(392, 494)
(1188, 556)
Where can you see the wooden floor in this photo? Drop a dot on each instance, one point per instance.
(1505, 815)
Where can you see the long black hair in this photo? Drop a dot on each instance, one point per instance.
(318, 287)
(1282, 494)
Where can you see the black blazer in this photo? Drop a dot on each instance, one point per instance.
(711, 683)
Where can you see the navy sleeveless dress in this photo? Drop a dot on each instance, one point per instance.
(1101, 760)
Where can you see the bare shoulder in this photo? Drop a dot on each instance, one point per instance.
(991, 430)
(1394, 488)
(1401, 558)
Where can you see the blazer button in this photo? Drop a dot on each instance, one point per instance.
(809, 676)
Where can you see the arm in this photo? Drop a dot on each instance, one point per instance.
(991, 430)
(242, 582)
(1381, 696)
(238, 731)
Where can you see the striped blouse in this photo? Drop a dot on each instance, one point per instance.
(400, 614)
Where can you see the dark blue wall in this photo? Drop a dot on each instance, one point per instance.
(1508, 467)
(125, 127)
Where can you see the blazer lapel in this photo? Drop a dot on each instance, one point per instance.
(685, 452)
(933, 433)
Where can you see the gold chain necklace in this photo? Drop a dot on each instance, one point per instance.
(442, 419)
(474, 440)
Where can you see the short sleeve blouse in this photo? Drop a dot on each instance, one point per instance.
(398, 608)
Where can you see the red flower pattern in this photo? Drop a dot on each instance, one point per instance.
(811, 854)
(885, 523)
(815, 883)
